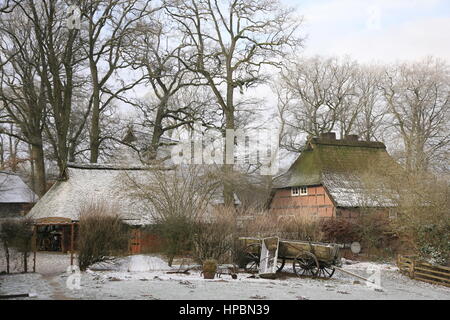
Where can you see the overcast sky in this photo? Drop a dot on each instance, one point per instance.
(376, 30)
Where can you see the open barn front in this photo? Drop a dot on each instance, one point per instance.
(56, 234)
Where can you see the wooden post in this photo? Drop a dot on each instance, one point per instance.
(71, 243)
(413, 265)
(63, 247)
(34, 246)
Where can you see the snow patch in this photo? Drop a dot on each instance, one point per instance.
(141, 263)
(136, 263)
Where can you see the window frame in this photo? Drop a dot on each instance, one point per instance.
(301, 191)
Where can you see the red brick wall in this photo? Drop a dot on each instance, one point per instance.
(316, 204)
(150, 243)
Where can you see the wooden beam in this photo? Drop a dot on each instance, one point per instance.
(34, 247)
(71, 243)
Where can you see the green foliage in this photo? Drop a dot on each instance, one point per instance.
(433, 242)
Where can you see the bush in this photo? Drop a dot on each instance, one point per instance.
(374, 230)
(17, 234)
(265, 224)
(339, 230)
(214, 239)
(102, 234)
(433, 241)
(176, 232)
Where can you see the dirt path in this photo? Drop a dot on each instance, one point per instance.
(58, 291)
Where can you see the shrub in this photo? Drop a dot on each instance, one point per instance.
(210, 265)
(102, 234)
(374, 230)
(301, 228)
(176, 233)
(433, 242)
(339, 230)
(177, 201)
(17, 234)
(215, 238)
(209, 268)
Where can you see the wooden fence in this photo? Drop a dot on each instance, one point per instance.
(423, 271)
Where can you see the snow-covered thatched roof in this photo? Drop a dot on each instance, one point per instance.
(115, 185)
(14, 190)
(87, 183)
(350, 191)
(347, 168)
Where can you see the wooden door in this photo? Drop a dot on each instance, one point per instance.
(135, 241)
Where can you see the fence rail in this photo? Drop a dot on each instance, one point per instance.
(423, 271)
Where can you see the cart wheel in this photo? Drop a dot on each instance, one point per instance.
(306, 264)
(326, 272)
(252, 256)
(280, 264)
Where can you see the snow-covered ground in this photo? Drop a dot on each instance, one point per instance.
(146, 277)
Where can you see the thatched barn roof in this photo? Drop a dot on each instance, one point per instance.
(342, 166)
(112, 184)
(14, 190)
(85, 183)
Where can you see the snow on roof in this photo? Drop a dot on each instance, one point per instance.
(14, 190)
(87, 183)
(109, 183)
(349, 191)
(341, 166)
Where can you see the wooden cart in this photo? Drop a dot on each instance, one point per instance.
(308, 258)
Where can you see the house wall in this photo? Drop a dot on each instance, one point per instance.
(14, 210)
(316, 203)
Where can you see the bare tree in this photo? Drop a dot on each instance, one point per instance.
(175, 100)
(317, 95)
(177, 201)
(108, 25)
(320, 91)
(371, 109)
(229, 44)
(23, 95)
(418, 97)
(59, 58)
(6, 6)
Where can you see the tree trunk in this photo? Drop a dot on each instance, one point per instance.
(25, 262)
(157, 132)
(95, 120)
(228, 190)
(37, 154)
(6, 248)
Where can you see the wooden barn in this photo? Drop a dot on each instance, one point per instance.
(16, 198)
(57, 213)
(329, 179)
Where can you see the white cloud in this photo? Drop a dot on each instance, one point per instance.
(377, 30)
(412, 40)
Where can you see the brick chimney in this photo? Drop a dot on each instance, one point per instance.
(351, 137)
(328, 135)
